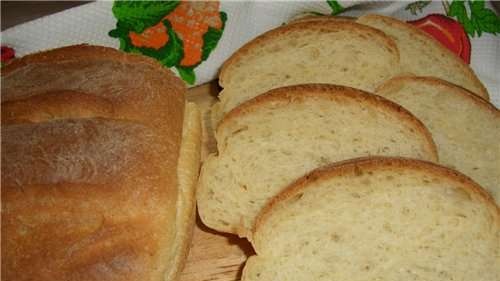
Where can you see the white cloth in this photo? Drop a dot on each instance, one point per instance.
(90, 23)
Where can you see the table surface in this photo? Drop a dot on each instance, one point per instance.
(17, 12)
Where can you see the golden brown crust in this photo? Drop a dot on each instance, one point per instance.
(76, 68)
(72, 208)
(89, 179)
(81, 52)
(366, 164)
(429, 40)
(313, 26)
(299, 93)
(456, 89)
(55, 105)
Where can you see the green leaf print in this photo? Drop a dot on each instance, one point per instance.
(481, 18)
(187, 74)
(134, 17)
(336, 7)
(138, 15)
(212, 37)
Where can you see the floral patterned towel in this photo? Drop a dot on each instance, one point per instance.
(195, 38)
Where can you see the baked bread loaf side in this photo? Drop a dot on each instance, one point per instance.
(378, 219)
(333, 52)
(267, 142)
(466, 128)
(422, 55)
(100, 154)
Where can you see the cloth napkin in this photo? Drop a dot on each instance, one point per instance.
(195, 38)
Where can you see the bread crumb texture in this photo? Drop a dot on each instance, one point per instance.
(378, 219)
(466, 128)
(270, 141)
(422, 55)
(339, 52)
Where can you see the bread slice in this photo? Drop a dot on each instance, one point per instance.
(340, 52)
(188, 168)
(422, 55)
(466, 128)
(100, 156)
(268, 142)
(378, 219)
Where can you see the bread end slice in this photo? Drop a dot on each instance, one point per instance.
(187, 174)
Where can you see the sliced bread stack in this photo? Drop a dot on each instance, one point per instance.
(360, 54)
(268, 142)
(378, 219)
(392, 215)
(466, 128)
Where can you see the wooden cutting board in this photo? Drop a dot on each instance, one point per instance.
(213, 256)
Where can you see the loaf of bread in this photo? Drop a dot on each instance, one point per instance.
(422, 55)
(100, 155)
(333, 52)
(267, 142)
(378, 219)
(466, 128)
